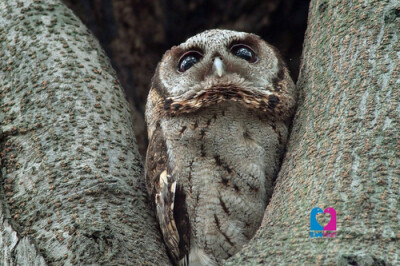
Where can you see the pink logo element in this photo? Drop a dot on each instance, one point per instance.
(331, 226)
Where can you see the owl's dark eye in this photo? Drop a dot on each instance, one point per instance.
(188, 60)
(245, 52)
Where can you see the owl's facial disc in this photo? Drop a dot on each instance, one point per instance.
(219, 66)
(218, 58)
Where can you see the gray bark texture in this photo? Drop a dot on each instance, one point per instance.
(71, 178)
(344, 150)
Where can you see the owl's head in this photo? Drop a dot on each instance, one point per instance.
(222, 65)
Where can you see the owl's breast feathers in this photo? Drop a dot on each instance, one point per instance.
(237, 152)
(169, 199)
(276, 104)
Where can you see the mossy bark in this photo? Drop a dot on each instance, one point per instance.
(344, 150)
(71, 178)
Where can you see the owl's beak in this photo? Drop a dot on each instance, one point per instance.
(218, 67)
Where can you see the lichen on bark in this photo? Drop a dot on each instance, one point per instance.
(71, 178)
(70, 170)
(344, 147)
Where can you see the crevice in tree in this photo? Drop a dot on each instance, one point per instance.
(7, 214)
(362, 260)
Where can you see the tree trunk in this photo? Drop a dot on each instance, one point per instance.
(71, 176)
(344, 150)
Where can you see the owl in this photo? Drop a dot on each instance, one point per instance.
(217, 114)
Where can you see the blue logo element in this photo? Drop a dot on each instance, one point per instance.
(314, 225)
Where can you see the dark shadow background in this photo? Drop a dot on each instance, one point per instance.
(135, 34)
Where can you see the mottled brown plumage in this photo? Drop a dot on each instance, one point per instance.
(269, 105)
(162, 189)
(217, 116)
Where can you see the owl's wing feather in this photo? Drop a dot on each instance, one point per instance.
(168, 197)
(164, 201)
(182, 223)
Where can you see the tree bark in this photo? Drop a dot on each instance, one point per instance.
(344, 150)
(71, 178)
